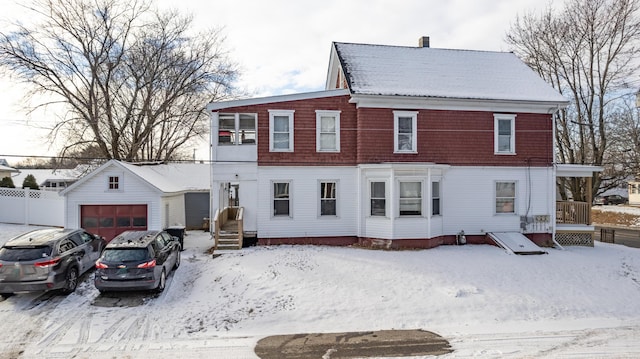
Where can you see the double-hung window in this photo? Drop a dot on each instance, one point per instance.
(281, 130)
(327, 131)
(506, 197)
(378, 199)
(281, 199)
(435, 198)
(410, 198)
(405, 128)
(504, 133)
(328, 204)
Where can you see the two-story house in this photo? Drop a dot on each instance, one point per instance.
(406, 147)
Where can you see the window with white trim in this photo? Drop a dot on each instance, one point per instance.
(281, 130)
(504, 133)
(327, 131)
(237, 128)
(328, 203)
(506, 197)
(114, 182)
(410, 198)
(435, 198)
(378, 199)
(405, 128)
(281, 199)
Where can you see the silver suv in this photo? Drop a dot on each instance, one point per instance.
(47, 259)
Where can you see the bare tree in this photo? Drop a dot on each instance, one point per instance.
(624, 151)
(133, 80)
(587, 50)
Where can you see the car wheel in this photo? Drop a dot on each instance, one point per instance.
(71, 281)
(163, 281)
(177, 264)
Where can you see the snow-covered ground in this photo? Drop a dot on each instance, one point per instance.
(578, 302)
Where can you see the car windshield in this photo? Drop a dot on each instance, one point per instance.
(125, 255)
(18, 254)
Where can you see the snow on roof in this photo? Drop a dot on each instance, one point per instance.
(42, 175)
(441, 73)
(7, 169)
(173, 177)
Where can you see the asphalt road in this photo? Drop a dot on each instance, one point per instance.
(621, 235)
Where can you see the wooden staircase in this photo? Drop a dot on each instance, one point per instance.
(229, 228)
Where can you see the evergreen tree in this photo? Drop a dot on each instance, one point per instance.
(30, 182)
(7, 182)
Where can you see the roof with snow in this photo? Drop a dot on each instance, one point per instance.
(165, 177)
(4, 168)
(439, 73)
(173, 177)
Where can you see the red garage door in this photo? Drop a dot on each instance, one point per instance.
(111, 220)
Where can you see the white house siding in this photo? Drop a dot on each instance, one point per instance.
(469, 198)
(175, 215)
(305, 219)
(133, 191)
(243, 174)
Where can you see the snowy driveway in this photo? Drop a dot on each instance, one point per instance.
(487, 304)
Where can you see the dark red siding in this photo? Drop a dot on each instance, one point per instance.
(463, 138)
(304, 136)
(459, 138)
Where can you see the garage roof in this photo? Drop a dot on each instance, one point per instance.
(165, 177)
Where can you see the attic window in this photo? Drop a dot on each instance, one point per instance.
(114, 182)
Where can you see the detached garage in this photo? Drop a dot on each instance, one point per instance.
(120, 196)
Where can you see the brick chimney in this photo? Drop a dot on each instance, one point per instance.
(423, 41)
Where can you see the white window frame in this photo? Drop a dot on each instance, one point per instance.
(438, 197)
(272, 115)
(385, 198)
(421, 198)
(497, 117)
(414, 131)
(496, 198)
(319, 133)
(236, 133)
(320, 199)
(118, 182)
(273, 199)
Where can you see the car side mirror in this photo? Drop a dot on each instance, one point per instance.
(175, 239)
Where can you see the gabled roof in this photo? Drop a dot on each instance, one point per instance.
(164, 178)
(437, 73)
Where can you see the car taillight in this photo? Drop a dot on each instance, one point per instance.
(100, 265)
(149, 264)
(48, 263)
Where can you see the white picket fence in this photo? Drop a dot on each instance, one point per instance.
(25, 206)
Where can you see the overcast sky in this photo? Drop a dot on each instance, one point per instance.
(282, 46)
